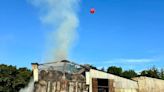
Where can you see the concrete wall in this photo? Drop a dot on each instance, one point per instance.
(56, 81)
(147, 84)
(120, 84)
(60, 86)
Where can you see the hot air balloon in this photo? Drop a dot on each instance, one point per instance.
(92, 11)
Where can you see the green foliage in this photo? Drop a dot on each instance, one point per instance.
(129, 74)
(93, 67)
(13, 79)
(115, 70)
(162, 74)
(153, 72)
(102, 69)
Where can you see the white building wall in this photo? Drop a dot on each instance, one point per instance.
(120, 84)
(35, 72)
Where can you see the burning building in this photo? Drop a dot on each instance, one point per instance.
(63, 76)
(66, 76)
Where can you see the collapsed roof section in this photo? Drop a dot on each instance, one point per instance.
(64, 66)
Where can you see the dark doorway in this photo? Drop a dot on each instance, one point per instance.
(103, 85)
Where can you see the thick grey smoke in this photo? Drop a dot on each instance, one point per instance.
(61, 16)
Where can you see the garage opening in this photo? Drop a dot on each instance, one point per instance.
(103, 85)
(100, 85)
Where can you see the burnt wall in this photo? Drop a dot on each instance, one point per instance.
(57, 81)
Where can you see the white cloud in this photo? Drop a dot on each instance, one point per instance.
(131, 60)
(137, 60)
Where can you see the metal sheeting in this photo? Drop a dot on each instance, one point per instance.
(147, 84)
(63, 66)
(119, 82)
(125, 90)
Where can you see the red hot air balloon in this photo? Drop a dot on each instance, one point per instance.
(92, 11)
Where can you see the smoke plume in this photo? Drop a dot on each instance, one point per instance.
(61, 16)
(29, 88)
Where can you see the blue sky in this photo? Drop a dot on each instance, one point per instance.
(126, 33)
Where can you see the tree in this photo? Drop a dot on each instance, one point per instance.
(153, 72)
(13, 79)
(93, 67)
(102, 69)
(144, 73)
(115, 70)
(162, 74)
(129, 74)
